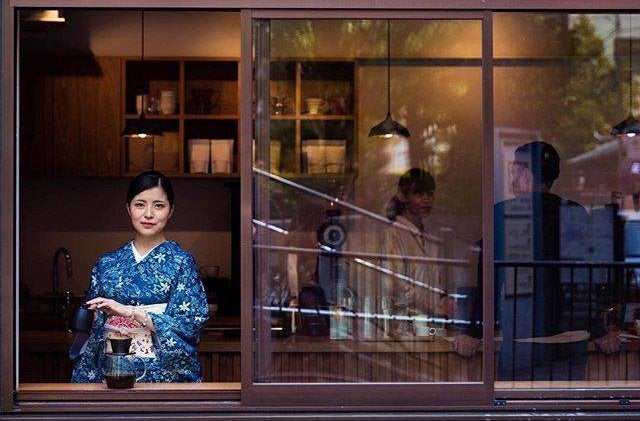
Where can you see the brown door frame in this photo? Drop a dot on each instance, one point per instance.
(7, 213)
(372, 394)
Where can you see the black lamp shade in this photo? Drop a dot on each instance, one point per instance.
(629, 127)
(141, 128)
(389, 127)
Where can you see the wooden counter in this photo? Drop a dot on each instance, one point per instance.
(43, 358)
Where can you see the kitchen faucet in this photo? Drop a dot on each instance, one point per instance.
(56, 278)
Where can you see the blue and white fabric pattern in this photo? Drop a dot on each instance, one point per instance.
(167, 274)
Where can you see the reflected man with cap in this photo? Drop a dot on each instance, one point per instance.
(543, 338)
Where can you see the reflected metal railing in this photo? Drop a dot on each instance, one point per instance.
(594, 296)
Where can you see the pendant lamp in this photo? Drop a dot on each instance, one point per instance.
(630, 126)
(388, 127)
(141, 128)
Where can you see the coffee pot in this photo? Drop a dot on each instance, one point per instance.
(120, 369)
(82, 319)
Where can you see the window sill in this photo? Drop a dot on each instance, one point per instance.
(575, 384)
(38, 392)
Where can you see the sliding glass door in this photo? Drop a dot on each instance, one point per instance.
(367, 214)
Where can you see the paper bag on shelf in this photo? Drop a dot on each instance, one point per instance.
(166, 153)
(221, 155)
(198, 155)
(140, 152)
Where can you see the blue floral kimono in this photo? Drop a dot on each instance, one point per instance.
(168, 274)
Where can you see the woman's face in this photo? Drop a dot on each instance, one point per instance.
(150, 211)
(418, 203)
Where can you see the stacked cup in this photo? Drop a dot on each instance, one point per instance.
(168, 102)
(141, 104)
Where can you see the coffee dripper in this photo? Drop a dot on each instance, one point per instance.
(120, 369)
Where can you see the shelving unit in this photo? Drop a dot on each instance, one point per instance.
(208, 93)
(294, 81)
(207, 104)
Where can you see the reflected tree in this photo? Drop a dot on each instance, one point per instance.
(591, 95)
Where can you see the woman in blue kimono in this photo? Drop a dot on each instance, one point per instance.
(153, 282)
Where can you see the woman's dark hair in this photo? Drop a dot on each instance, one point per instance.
(148, 180)
(415, 180)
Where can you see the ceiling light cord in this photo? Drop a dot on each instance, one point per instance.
(388, 127)
(630, 67)
(141, 127)
(142, 36)
(388, 67)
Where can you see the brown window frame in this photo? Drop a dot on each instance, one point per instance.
(413, 394)
(194, 400)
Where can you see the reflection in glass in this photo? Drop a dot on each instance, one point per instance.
(364, 270)
(564, 217)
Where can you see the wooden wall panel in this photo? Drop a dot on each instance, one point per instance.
(46, 365)
(87, 123)
(71, 116)
(36, 120)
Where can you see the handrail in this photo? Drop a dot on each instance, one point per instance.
(565, 263)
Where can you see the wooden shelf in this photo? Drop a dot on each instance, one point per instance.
(213, 175)
(233, 175)
(210, 116)
(292, 82)
(311, 117)
(317, 176)
(153, 117)
(210, 84)
(185, 116)
(331, 80)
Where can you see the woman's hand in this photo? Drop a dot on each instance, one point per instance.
(466, 346)
(109, 307)
(446, 307)
(609, 343)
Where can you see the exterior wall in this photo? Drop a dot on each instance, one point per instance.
(228, 410)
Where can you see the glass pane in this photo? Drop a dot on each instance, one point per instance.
(566, 191)
(365, 254)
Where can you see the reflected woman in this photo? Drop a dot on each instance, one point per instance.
(150, 288)
(412, 287)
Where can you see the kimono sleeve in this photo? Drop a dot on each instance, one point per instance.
(94, 284)
(187, 310)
